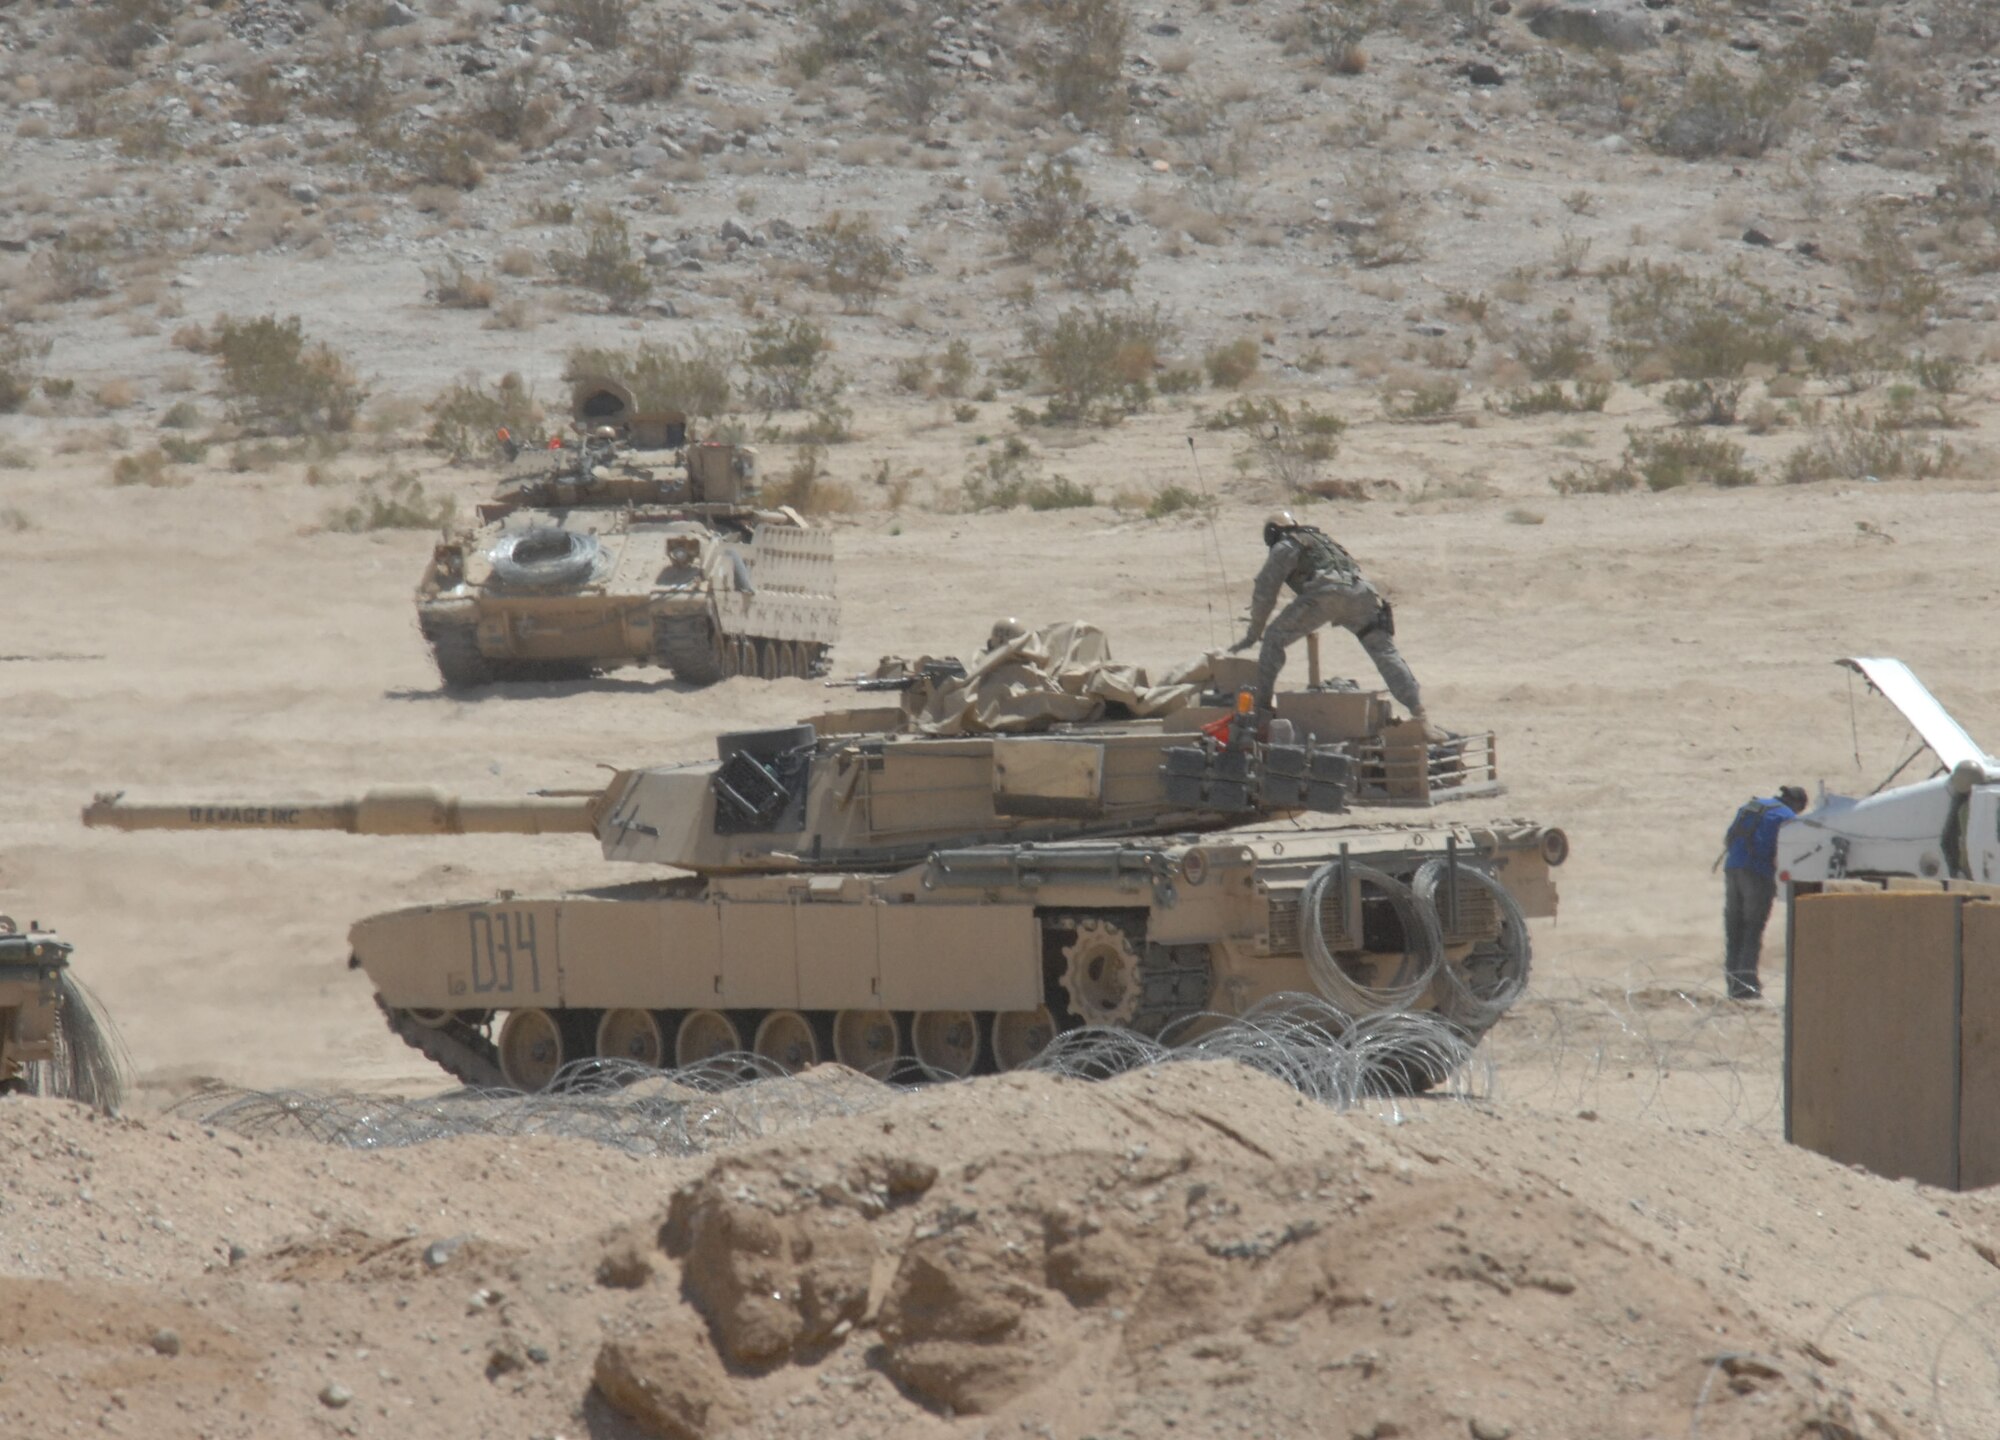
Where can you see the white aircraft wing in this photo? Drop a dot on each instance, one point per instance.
(1899, 685)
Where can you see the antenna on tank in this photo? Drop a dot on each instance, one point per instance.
(1208, 508)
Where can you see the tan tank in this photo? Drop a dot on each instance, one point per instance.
(53, 1041)
(589, 559)
(876, 897)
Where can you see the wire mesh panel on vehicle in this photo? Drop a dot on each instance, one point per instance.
(1282, 936)
(1469, 917)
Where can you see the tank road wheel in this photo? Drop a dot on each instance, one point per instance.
(787, 1039)
(767, 659)
(430, 1019)
(730, 654)
(703, 1035)
(459, 663)
(532, 1049)
(633, 1035)
(787, 663)
(1020, 1035)
(1101, 973)
(946, 1040)
(866, 1040)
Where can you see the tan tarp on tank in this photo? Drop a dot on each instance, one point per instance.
(1055, 675)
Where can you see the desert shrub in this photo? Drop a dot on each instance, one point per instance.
(599, 23)
(661, 59)
(466, 417)
(394, 500)
(442, 153)
(516, 107)
(1055, 220)
(117, 30)
(457, 288)
(856, 263)
(1965, 25)
(1424, 400)
(1888, 277)
(1699, 328)
(945, 373)
(278, 384)
(1551, 399)
(697, 379)
(262, 99)
(20, 362)
(181, 415)
(787, 361)
(828, 422)
(1390, 231)
(73, 268)
(1176, 500)
(147, 467)
(351, 84)
(1716, 113)
(605, 264)
(1666, 460)
(808, 489)
(1082, 72)
(1849, 447)
(955, 369)
(1098, 363)
(1557, 348)
(913, 86)
(1851, 366)
(1837, 35)
(1294, 443)
(1593, 92)
(1704, 402)
(184, 449)
(1230, 365)
(1333, 32)
(1011, 476)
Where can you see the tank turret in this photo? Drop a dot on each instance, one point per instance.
(787, 799)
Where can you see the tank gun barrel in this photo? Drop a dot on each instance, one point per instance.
(417, 811)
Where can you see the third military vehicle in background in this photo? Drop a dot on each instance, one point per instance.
(595, 555)
(53, 1041)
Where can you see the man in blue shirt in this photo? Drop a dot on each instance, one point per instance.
(1749, 874)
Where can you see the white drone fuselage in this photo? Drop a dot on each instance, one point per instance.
(1946, 827)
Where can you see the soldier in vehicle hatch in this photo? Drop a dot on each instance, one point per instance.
(1330, 590)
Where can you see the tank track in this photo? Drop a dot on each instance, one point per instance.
(685, 644)
(455, 1046)
(1174, 980)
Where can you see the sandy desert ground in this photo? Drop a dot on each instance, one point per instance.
(1608, 1238)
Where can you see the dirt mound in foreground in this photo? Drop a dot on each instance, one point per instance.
(1192, 1250)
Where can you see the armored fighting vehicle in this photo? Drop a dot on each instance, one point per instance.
(52, 1040)
(589, 559)
(876, 897)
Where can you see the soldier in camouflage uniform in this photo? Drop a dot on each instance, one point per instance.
(1330, 591)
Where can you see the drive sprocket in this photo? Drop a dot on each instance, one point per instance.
(1101, 973)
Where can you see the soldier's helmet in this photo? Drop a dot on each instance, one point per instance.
(1276, 523)
(604, 432)
(1004, 631)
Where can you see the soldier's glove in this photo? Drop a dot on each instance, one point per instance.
(1244, 644)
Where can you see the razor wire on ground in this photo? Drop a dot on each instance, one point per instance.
(732, 1099)
(1644, 1045)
